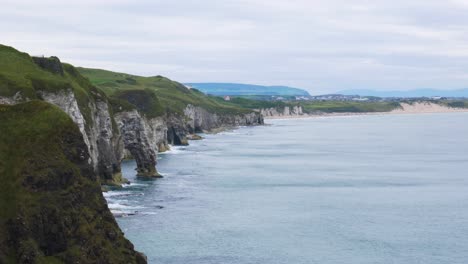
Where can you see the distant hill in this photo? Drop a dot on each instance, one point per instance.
(410, 93)
(246, 89)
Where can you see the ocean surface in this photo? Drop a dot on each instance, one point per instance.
(356, 189)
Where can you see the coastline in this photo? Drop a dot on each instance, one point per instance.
(416, 108)
(185, 188)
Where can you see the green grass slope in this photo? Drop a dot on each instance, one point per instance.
(51, 206)
(20, 74)
(165, 95)
(348, 106)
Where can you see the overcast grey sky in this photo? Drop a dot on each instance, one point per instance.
(322, 46)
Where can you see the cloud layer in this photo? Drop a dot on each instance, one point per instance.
(323, 46)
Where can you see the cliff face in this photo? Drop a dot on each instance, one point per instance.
(144, 137)
(101, 139)
(60, 138)
(49, 80)
(139, 140)
(51, 206)
(199, 120)
(287, 111)
(132, 122)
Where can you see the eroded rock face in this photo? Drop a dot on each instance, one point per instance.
(17, 98)
(177, 130)
(199, 120)
(65, 99)
(144, 137)
(158, 133)
(133, 135)
(140, 140)
(108, 141)
(102, 140)
(282, 112)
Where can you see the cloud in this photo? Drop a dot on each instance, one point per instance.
(323, 46)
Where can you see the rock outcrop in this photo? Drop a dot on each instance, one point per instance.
(199, 120)
(51, 64)
(144, 137)
(102, 140)
(51, 206)
(139, 139)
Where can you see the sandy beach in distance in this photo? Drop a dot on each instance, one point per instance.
(415, 108)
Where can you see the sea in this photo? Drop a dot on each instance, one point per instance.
(354, 189)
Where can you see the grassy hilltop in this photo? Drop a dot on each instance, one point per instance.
(154, 95)
(51, 206)
(21, 75)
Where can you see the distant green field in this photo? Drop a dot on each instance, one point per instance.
(348, 106)
(166, 95)
(318, 106)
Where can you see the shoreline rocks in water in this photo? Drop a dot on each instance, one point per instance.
(194, 137)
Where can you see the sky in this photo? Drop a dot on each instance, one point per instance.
(321, 46)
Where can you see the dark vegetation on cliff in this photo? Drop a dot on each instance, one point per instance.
(455, 103)
(51, 206)
(172, 96)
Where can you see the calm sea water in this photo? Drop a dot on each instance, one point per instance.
(360, 189)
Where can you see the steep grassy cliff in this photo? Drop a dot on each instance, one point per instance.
(118, 114)
(51, 206)
(24, 78)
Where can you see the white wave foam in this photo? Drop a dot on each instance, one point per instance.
(133, 184)
(123, 207)
(175, 150)
(116, 193)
